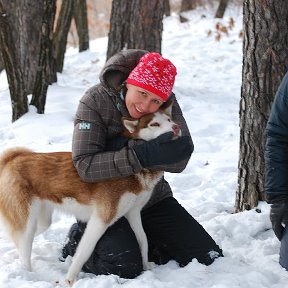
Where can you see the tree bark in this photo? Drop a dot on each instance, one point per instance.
(11, 64)
(118, 36)
(167, 9)
(1, 62)
(187, 5)
(46, 72)
(221, 8)
(25, 30)
(146, 31)
(81, 21)
(23, 17)
(61, 32)
(265, 62)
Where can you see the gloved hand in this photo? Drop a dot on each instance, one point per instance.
(278, 217)
(163, 150)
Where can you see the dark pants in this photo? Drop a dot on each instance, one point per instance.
(284, 250)
(173, 234)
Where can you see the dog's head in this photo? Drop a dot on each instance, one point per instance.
(151, 125)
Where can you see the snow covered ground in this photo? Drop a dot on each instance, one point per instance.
(208, 90)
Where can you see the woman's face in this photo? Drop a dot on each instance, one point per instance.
(140, 101)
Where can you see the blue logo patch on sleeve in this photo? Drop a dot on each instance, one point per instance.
(84, 126)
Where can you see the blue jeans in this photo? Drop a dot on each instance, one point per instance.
(284, 250)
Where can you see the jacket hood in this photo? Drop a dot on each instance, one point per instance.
(119, 66)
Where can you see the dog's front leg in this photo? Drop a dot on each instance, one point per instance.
(94, 230)
(134, 219)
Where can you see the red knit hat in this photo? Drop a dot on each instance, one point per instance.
(154, 74)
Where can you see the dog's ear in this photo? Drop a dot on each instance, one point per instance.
(167, 107)
(130, 124)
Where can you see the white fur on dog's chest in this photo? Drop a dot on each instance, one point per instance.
(149, 181)
(71, 206)
(129, 200)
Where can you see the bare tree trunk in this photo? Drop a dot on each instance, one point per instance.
(81, 20)
(1, 61)
(11, 65)
(29, 12)
(221, 8)
(69, 9)
(61, 33)
(26, 31)
(187, 5)
(167, 9)
(146, 31)
(25, 15)
(265, 63)
(45, 68)
(118, 36)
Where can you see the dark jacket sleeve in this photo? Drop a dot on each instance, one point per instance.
(276, 150)
(90, 159)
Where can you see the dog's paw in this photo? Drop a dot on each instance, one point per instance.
(149, 265)
(69, 282)
(72, 274)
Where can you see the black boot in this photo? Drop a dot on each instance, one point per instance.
(72, 240)
(117, 251)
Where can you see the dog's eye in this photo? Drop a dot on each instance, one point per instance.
(155, 124)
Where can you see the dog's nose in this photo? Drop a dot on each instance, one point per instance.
(176, 129)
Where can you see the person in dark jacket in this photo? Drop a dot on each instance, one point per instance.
(134, 83)
(276, 166)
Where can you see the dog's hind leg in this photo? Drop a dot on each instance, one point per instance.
(25, 239)
(44, 219)
(134, 219)
(94, 230)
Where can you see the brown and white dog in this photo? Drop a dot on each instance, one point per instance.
(33, 184)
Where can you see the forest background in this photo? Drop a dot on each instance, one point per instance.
(264, 63)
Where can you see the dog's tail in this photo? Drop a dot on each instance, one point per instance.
(10, 154)
(13, 204)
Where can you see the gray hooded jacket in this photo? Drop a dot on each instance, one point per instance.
(98, 121)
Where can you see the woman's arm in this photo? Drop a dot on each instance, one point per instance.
(89, 143)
